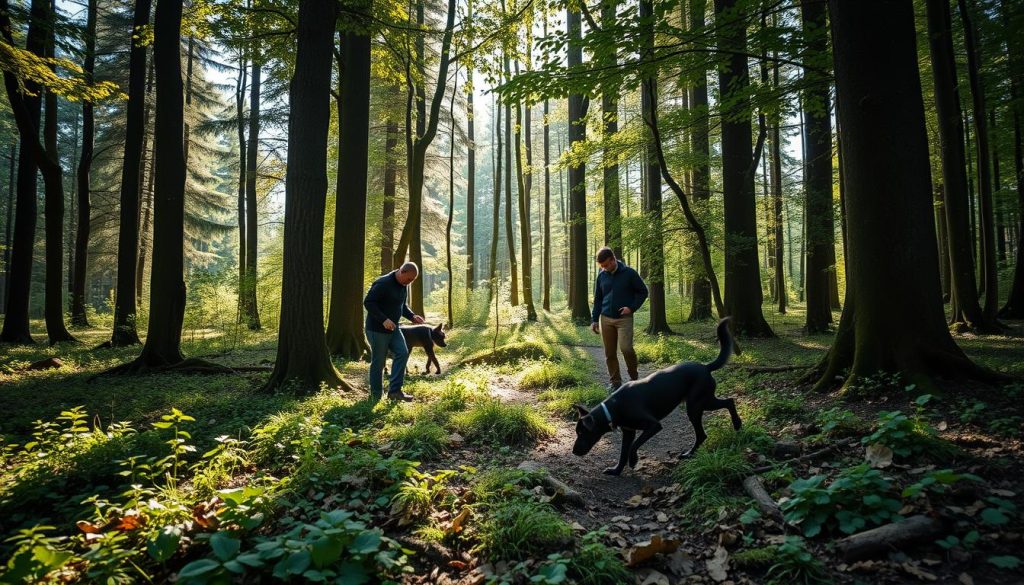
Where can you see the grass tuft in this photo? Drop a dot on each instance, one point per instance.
(560, 401)
(548, 374)
(523, 529)
(507, 354)
(504, 424)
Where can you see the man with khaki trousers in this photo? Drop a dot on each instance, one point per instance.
(618, 293)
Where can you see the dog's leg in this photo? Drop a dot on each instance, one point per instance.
(430, 357)
(627, 443)
(730, 405)
(695, 413)
(645, 436)
(437, 364)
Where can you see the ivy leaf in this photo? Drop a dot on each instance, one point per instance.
(224, 547)
(366, 543)
(164, 544)
(1005, 561)
(197, 568)
(325, 551)
(994, 516)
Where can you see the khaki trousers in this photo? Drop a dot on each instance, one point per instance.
(618, 334)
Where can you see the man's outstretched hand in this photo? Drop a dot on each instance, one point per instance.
(593, 327)
(418, 320)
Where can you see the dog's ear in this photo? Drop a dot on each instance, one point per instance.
(581, 411)
(588, 422)
(439, 326)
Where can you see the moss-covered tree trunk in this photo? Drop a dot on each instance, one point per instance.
(743, 295)
(964, 291)
(302, 355)
(578, 256)
(893, 320)
(81, 263)
(345, 335)
(820, 226)
(125, 332)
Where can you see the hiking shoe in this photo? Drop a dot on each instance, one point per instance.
(400, 396)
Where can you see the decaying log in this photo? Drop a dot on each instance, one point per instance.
(889, 537)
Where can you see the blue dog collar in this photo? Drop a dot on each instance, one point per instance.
(607, 416)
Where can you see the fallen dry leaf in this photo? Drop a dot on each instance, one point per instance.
(966, 579)
(651, 577)
(647, 550)
(458, 565)
(918, 572)
(878, 455)
(88, 527)
(680, 563)
(718, 565)
(458, 521)
(621, 518)
(662, 517)
(130, 522)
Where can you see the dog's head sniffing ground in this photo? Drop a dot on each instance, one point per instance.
(589, 429)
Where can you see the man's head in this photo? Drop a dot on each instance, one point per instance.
(606, 259)
(407, 273)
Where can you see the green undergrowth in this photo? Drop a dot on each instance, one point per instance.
(560, 401)
(506, 354)
(499, 423)
(551, 374)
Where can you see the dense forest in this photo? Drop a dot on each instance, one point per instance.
(198, 194)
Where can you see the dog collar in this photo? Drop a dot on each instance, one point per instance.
(608, 416)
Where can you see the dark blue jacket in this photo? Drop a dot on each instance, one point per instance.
(386, 300)
(624, 288)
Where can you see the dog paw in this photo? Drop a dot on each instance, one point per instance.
(633, 458)
(613, 471)
(737, 424)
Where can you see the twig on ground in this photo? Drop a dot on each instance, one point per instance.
(811, 455)
(764, 500)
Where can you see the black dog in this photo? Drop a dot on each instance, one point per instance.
(426, 337)
(641, 404)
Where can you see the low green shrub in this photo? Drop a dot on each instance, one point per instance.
(522, 529)
(506, 354)
(549, 374)
(504, 424)
(859, 496)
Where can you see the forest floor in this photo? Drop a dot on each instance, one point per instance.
(475, 482)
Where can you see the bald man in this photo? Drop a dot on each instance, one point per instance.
(385, 304)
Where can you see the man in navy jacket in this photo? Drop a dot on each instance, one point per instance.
(385, 304)
(618, 293)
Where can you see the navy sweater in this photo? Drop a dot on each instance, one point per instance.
(386, 300)
(624, 288)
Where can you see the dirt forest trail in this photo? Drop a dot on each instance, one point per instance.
(640, 503)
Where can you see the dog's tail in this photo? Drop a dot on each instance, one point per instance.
(725, 341)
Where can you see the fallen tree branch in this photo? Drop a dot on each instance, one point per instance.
(811, 455)
(756, 490)
(561, 489)
(770, 369)
(889, 537)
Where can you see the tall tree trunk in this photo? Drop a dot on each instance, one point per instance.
(776, 222)
(189, 59)
(410, 240)
(387, 232)
(820, 226)
(26, 108)
(451, 198)
(652, 253)
(546, 260)
(167, 283)
(893, 272)
(989, 270)
(743, 296)
(496, 215)
(470, 179)
(964, 293)
(510, 234)
(1014, 307)
(146, 224)
(240, 88)
(524, 211)
(252, 314)
(53, 179)
(578, 255)
(81, 264)
(9, 219)
(997, 186)
(700, 306)
(610, 126)
(943, 235)
(345, 336)
(124, 332)
(302, 355)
